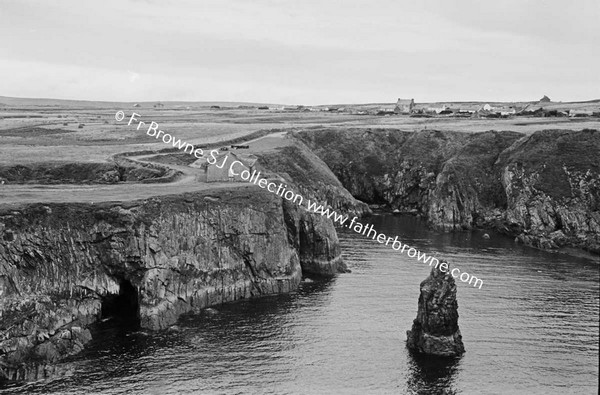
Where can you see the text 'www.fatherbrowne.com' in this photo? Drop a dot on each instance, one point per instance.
(237, 168)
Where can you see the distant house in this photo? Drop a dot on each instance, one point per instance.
(437, 110)
(385, 111)
(220, 170)
(533, 109)
(580, 113)
(486, 107)
(158, 105)
(404, 106)
(545, 99)
(508, 112)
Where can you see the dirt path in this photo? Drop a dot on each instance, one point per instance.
(12, 194)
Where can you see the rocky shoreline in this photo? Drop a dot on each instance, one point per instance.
(63, 265)
(543, 189)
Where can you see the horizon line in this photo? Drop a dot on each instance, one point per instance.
(287, 104)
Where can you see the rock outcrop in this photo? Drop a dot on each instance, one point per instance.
(64, 266)
(309, 175)
(552, 184)
(543, 189)
(435, 330)
(121, 169)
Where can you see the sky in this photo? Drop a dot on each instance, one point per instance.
(300, 52)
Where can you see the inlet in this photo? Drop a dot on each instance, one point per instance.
(123, 308)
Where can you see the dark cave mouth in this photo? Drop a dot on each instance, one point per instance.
(123, 307)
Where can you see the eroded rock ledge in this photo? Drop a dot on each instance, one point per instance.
(435, 330)
(60, 264)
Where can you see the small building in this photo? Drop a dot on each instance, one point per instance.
(545, 99)
(404, 106)
(385, 111)
(533, 109)
(580, 113)
(219, 171)
(508, 112)
(437, 110)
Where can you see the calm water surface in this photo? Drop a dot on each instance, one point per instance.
(531, 329)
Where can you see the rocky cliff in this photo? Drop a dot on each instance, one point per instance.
(543, 188)
(552, 184)
(307, 174)
(435, 331)
(65, 266)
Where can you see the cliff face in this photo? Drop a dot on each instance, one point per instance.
(310, 176)
(552, 184)
(543, 188)
(63, 266)
(435, 330)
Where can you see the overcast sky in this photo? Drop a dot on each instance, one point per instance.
(300, 51)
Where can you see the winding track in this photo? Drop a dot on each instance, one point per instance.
(14, 194)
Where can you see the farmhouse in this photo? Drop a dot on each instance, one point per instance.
(404, 106)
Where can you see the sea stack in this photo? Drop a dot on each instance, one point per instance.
(435, 330)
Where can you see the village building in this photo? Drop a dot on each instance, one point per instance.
(221, 169)
(580, 113)
(385, 111)
(404, 106)
(437, 110)
(508, 112)
(545, 99)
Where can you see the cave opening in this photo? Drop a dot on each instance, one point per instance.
(124, 307)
